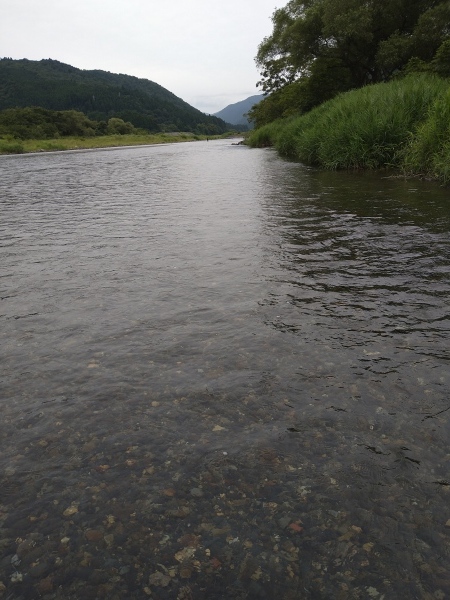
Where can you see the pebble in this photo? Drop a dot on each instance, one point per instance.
(15, 561)
(72, 510)
(283, 522)
(159, 579)
(25, 547)
(262, 514)
(39, 570)
(94, 535)
(45, 586)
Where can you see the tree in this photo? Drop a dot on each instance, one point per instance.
(118, 126)
(73, 122)
(332, 46)
(441, 62)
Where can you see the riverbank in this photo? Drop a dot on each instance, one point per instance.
(16, 146)
(402, 124)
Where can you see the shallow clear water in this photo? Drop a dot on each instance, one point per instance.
(222, 375)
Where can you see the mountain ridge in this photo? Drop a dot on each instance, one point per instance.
(236, 113)
(100, 95)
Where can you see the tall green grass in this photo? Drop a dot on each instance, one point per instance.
(266, 135)
(11, 146)
(428, 151)
(400, 124)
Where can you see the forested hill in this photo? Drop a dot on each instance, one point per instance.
(100, 95)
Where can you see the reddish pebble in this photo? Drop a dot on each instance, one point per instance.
(94, 535)
(45, 586)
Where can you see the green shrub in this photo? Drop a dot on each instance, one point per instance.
(264, 136)
(11, 147)
(119, 126)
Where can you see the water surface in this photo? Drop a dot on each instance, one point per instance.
(222, 375)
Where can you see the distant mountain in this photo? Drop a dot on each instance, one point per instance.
(235, 113)
(100, 95)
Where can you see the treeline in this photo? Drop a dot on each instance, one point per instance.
(321, 48)
(100, 95)
(42, 124)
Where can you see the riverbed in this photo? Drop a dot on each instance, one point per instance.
(223, 376)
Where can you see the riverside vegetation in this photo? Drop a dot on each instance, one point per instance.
(402, 124)
(13, 146)
(352, 84)
(38, 129)
(48, 105)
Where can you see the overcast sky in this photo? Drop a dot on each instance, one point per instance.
(201, 50)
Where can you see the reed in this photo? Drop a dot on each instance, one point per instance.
(428, 150)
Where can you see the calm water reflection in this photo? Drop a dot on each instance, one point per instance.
(222, 376)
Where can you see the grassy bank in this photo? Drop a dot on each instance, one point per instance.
(403, 124)
(15, 146)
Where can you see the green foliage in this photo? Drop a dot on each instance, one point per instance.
(281, 103)
(11, 147)
(72, 122)
(265, 135)
(403, 124)
(332, 46)
(100, 96)
(39, 123)
(441, 62)
(428, 151)
(42, 124)
(118, 126)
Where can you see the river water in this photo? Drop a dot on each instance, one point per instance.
(223, 375)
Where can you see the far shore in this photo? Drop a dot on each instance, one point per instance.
(17, 146)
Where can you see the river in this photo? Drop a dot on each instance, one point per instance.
(223, 375)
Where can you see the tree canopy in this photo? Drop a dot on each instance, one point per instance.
(41, 123)
(319, 48)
